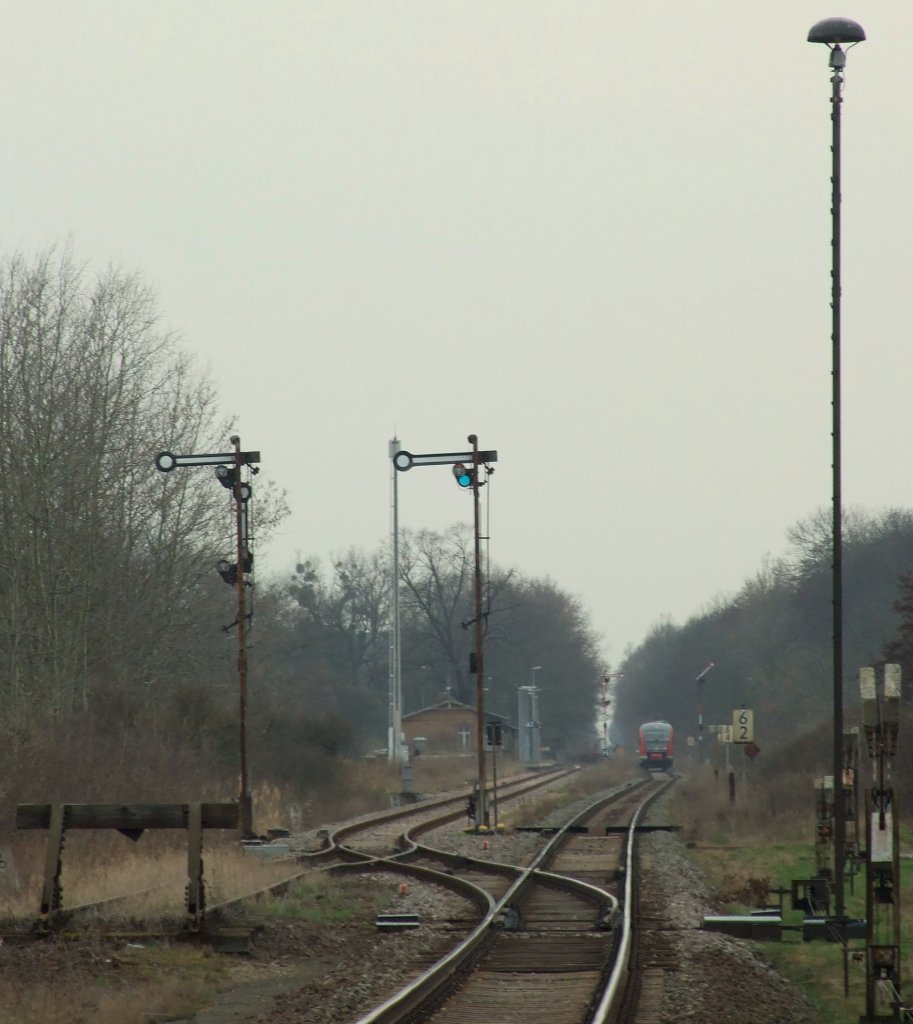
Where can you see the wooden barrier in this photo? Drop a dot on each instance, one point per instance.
(131, 820)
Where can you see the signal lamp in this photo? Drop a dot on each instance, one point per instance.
(228, 571)
(463, 475)
(228, 478)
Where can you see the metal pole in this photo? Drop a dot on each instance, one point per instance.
(700, 712)
(243, 554)
(482, 804)
(394, 740)
(535, 736)
(832, 32)
(605, 735)
(837, 554)
(607, 678)
(494, 779)
(536, 733)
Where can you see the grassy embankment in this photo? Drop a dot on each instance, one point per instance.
(765, 840)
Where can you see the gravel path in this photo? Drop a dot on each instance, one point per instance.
(718, 978)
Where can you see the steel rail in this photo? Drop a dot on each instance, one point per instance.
(510, 789)
(356, 860)
(614, 990)
(414, 994)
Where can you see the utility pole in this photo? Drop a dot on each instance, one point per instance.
(395, 751)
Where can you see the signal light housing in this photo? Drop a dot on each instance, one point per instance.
(228, 571)
(228, 478)
(463, 474)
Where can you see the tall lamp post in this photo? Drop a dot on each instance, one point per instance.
(833, 32)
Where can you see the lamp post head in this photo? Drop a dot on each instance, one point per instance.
(834, 31)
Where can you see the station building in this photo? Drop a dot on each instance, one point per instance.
(449, 727)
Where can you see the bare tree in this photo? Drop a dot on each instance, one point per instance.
(437, 573)
(106, 572)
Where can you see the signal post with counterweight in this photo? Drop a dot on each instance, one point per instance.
(466, 466)
(228, 469)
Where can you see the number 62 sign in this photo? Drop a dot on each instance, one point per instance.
(742, 726)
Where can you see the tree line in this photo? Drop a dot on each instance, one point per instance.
(118, 673)
(771, 644)
(330, 638)
(118, 670)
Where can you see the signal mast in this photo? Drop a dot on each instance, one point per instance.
(604, 703)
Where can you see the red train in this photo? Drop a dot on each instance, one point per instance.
(655, 744)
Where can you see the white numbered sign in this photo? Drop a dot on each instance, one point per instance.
(742, 726)
(725, 734)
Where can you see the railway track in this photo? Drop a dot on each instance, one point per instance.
(382, 835)
(555, 944)
(529, 934)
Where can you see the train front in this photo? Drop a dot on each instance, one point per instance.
(655, 745)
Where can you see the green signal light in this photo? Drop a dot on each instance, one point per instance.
(462, 475)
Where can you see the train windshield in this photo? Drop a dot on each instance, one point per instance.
(656, 735)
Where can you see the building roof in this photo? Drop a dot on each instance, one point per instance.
(447, 703)
(450, 704)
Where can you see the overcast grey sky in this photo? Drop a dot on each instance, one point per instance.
(595, 234)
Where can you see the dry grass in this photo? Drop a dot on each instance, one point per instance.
(134, 985)
(357, 788)
(768, 837)
(101, 865)
(97, 866)
(762, 813)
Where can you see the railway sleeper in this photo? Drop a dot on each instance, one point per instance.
(393, 922)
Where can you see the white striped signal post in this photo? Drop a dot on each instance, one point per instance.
(404, 460)
(469, 479)
(699, 679)
(228, 467)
